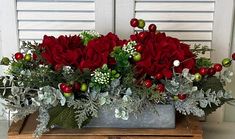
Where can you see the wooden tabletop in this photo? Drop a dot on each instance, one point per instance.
(186, 128)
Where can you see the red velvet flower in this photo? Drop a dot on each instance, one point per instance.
(97, 51)
(159, 52)
(63, 50)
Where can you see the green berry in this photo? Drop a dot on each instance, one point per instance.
(137, 57)
(27, 57)
(67, 94)
(226, 62)
(141, 23)
(5, 61)
(198, 77)
(84, 87)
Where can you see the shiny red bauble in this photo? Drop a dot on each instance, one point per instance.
(19, 56)
(182, 96)
(233, 56)
(211, 71)
(203, 71)
(58, 67)
(152, 28)
(62, 86)
(76, 86)
(148, 83)
(158, 76)
(139, 48)
(141, 35)
(218, 67)
(161, 88)
(134, 22)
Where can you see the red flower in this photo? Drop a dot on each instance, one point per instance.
(98, 50)
(159, 52)
(63, 50)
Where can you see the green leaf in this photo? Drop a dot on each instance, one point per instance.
(62, 116)
(212, 83)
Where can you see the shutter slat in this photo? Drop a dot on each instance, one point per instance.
(56, 15)
(27, 25)
(182, 26)
(191, 35)
(179, 6)
(175, 16)
(31, 35)
(61, 6)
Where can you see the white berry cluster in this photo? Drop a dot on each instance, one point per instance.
(101, 78)
(91, 32)
(129, 48)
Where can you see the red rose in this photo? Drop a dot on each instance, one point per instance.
(64, 50)
(97, 51)
(159, 53)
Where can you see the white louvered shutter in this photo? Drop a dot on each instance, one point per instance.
(189, 20)
(206, 22)
(32, 19)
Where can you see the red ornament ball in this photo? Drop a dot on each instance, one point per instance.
(67, 89)
(134, 22)
(152, 28)
(76, 86)
(211, 71)
(182, 96)
(203, 71)
(233, 56)
(161, 88)
(158, 76)
(218, 67)
(62, 86)
(139, 48)
(148, 83)
(58, 67)
(141, 36)
(19, 56)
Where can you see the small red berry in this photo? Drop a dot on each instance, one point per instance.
(218, 67)
(77, 86)
(148, 83)
(62, 86)
(67, 89)
(35, 57)
(58, 67)
(203, 71)
(182, 96)
(161, 88)
(211, 71)
(152, 28)
(134, 22)
(139, 48)
(141, 35)
(233, 56)
(158, 76)
(19, 56)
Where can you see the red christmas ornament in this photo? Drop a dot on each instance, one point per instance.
(182, 96)
(152, 28)
(134, 22)
(158, 76)
(141, 35)
(67, 89)
(139, 48)
(161, 88)
(76, 86)
(233, 56)
(58, 67)
(19, 56)
(211, 71)
(35, 57)
(62, 86)
(203, 71)
(148, 83)
(218, 67)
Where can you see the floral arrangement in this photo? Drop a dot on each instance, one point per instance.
(69, 78)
